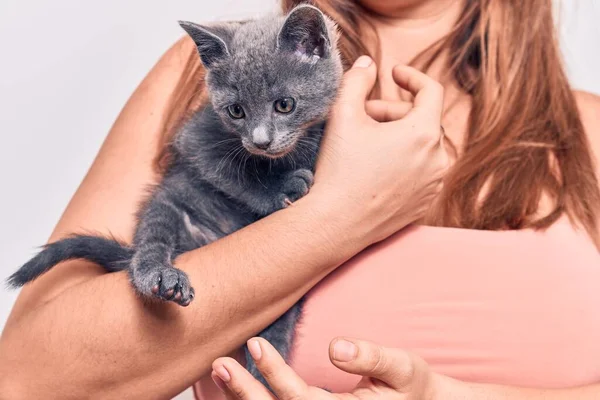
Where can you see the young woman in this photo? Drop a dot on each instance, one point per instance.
(509, 298)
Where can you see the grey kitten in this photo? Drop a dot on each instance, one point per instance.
(248, 153)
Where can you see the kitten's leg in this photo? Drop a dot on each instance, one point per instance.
(156, 243)
(281, 335)
(279, 193)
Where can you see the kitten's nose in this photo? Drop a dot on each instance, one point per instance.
(260, 137)
(262, 144)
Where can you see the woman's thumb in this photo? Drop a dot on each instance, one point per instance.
(395, 367)
(357, 83)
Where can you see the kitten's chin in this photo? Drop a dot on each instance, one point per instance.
(268, 153)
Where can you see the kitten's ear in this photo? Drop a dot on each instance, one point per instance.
(305, 32)
(211, 41)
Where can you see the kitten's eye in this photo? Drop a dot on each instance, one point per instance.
(285, 105)
(236, 111)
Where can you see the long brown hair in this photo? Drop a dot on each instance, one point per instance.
(525, 139)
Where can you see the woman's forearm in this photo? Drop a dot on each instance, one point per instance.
(97, 338)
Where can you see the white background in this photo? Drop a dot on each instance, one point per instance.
(67, 67)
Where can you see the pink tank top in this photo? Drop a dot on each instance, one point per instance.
(514, 307)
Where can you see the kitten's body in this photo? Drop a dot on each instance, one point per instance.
(228, 172)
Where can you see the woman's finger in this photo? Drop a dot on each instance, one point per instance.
(395, 367)
(428, 93)
(223, 387)
(286, 384)
(356, 85)
(386, 111)
(238, 383)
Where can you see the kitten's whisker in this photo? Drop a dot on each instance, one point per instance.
(235, 154)
(258, 174)
(306, 150)
(223, 142)
(304, 153)
(239, 168)
(246, 158)
(225, 159)
(218, 168)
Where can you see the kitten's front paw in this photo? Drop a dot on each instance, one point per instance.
(165, 282)
(296, 185)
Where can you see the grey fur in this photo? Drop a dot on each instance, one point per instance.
(228, 173)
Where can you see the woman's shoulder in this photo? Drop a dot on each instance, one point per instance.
(173, 62)
(589, 106)
(589, 110)
(180, 51)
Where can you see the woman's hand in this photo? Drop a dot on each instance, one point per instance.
(382, 162)
(387, 374)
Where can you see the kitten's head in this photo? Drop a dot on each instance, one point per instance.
(271, 78)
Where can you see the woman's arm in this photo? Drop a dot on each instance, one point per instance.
(78, 332)
(96, 338)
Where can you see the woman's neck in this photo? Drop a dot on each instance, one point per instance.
(400, 33)
(415, 13)
(404, 32)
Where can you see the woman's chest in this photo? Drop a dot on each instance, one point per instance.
(519, 309)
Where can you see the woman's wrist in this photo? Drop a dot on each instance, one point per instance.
(338, 218)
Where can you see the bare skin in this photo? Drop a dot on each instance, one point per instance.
(100, 341)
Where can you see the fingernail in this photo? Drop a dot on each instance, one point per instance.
(218, 381)
(362, 62)
(344, 351)
(223, 373)
(255, 350)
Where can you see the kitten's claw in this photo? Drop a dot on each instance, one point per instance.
(189, 300)
(166, 283)
(295, 186)
(175, 286)
(177, 297)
